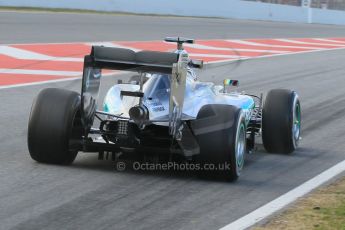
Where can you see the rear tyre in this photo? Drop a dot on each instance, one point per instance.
(281, 121)
(221, 133)
(54, 122)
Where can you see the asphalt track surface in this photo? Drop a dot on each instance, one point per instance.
(67, 27)
(91, 194)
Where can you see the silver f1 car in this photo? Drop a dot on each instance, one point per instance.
(166, 110)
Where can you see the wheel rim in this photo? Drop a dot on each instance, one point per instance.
(240, 148)
(296, 126)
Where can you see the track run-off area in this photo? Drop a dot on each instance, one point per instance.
(29, 63)
(40, 50)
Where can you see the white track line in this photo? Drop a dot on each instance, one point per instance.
(308, 43)
(66, 59)
(274, 46)
(29, 55)
(217, 55)
(275, 205)
(39, 83)
(329, 40)
(275, 55)
(40, 72)
(111, 44)
(204, 47)
(22, 54)
(110, 74)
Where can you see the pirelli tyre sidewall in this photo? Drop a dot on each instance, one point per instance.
(221, 134)
(281, 121)
(54, 121)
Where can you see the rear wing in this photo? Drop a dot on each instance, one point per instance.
(129, 60)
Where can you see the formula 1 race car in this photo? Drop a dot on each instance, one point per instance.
(164, 109)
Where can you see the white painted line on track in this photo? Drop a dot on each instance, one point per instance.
(29, 55)
(271, 45)
(329, 40)
(277, 204)
(111, 44)
(217, 55)
(204, 47)
(275, 55)
(66, 59)
(40, 72)
(309, 43)
(39, 83)
(22, 54)
(110, 74)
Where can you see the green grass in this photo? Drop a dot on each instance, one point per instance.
(322, 210)
(332, 217)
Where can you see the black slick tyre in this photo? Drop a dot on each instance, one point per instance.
(54, 121)
(221, 134)
(281, 121)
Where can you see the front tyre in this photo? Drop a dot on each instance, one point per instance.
(221, 134)
(54, 122)
(281, 121)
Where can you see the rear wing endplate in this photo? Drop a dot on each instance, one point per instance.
(177, 94)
